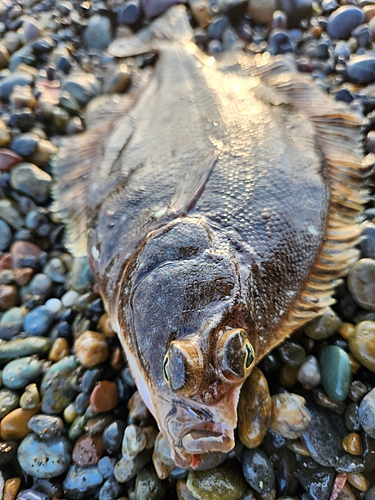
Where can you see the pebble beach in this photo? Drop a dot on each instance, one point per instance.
(72, 424)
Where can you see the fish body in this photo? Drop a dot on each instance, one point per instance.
(222, 204)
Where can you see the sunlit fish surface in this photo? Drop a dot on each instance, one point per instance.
(219, 204)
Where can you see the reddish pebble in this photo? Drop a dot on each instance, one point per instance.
(8, 159)
(20, 249)
(22, 275)
(6, 261)
(8, 297)
(338, 485)
(104, 397)
(87, 450)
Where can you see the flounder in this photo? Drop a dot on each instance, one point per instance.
(219, 203)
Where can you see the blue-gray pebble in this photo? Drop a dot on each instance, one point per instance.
(258, 470)
(343, 21)
(5, 236)
(361, 68)
(110, 490)
(46, 426)
(9, 82)
(335, 372)
(366, 413)
(40, 284)
(32, 495)
(56, 388)
(21, 347)
(98, 33)
(82, 482)
(44, 459)
(38, 321)
(18, 373)
(107, 466)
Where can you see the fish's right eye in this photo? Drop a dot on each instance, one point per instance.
(166, 369)
(183, 368)
(235, 354)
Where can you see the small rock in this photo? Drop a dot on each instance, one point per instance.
(262, 10)
(31, 29)
(352, 444)
(323, 326)
(335, 372)
(308, 373)
(127, 469)
(5, 138)
(11, 488)
(25, 144)
(134, 441)
(57, 391)
(129, 13)
(22, 249)
(32, 495)
(10, 215)
(358, 480)
(258, 471)
(46, 426)
(366, 413)
(5, 236)
(8, 158)
(82, 482)
(148, 485)
(8, 297)
(44, 458)
(153, 8)
(91, 349)
(31, 181)
(82, 277)
(202, 12)
(19, 347)
(8, 452)
(110, 489)
(322, 399)
(82, 86)
(59, 349)
(20, 372)
(113, 436)
(362, 344)
(98, 34)
(40, 284)
(8, 402)
(316, 480)
(14, 425)
(361, 68)
(30, 398)
(9, 82)
(87, 450)
(106, 466)
(254, 409)
(38, 321)
(291, 353)
(343, 20)
(289, 417)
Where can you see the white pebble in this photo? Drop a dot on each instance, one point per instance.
(309, 373)
(54, 305)
(69, 298)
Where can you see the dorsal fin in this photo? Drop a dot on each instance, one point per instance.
(339, 135)
(173, 26)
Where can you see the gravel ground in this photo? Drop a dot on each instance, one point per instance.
(71, 422)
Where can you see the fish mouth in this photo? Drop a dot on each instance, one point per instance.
(199, 441)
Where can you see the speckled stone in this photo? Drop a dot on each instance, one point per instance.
(20, 372)
(366, 413)
(289, 417)
(88, 450)
(14, 425)
(21, 347)
(134, 441)
(362, 344)
(30, 398)
(335, 372)
(46, 426)
(323, 326)
(8, 401)
(224, 482)
(56, 389)
(44, 458)
(258, 470)
(361, 279)
(148, 485)
(81, 482)
(316, 480)
(126, 469)
(30, 180)
(254, 409)
(91, 348)
(11, 488)
(110, 489)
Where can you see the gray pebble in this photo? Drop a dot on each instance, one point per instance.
(82, 482)
(81, 86)
(46, 426)
(8, 402)
(5, 236)
(9, 82)
(98, 33)
(309, 373)
(10, 215)
(55, 270)
(32, 181)
(361, 283)
(258, 470)
(57, 391)
(366, 413)
(126, 469)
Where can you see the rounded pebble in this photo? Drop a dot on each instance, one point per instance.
(366, 413)
(38, 321)
(19, 373)
(30, 398)
(258, 470)
(362, 344)
(81, 482)
(44, 458)
(323, 326)
(5, 235)
(289, 417)
(352, 443)
(335, 372)
(14, 425)
(343, 21)
(98, 34)
(361, 68)
(30, 180)
(46, 426)
(87, 450)
(148, 485)
(308, 373)
(56, 389)
(91, 348)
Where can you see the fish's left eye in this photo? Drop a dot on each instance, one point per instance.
(166, 369)
(249, 349)
(235, 355)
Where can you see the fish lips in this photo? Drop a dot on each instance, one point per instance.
(199, 441)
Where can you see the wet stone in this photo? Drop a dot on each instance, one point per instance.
(113, 435)
(77, 427)
(30, 398)
(10, 215)
(361, 68)
(32, 494)
(59, 349)
(288, 415)
(8, 401)
(87, 450)
(335, 372)
(44, 458)
(106, 466)
(366, 413)
(134, 441)
(8, 452)
(254, 409)
(358, 390)
(104, 397)
(25, 144)
(352, 444)
(81, 482)
(40, 284)
(343, 21)
(258, 470)
(286, 482)
(21, 250)
(19, 373)
(20, 347)
(352, 418)
(291, 353)
(38, 321)
(308, 373)
(148, 485)
(57, 391)
(30, 180)
(323, 326)
(321, 438)
(362, 344)
(14, 425)
(5, 236)
(46, 426)
(359, 481)
(129, 13)
(126, 469)
(11, 488)
(110, 489)
(91, 349)
(316, 480)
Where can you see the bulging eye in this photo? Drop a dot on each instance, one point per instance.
(235, 354)
(183, 367)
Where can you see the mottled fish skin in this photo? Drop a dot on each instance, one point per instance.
(208, 219)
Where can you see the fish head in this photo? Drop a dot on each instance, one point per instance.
(186, 340)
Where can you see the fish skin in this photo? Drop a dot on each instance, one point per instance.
(209, 216)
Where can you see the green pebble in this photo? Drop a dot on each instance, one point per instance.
(12, 315)
(56, 388)
(148, 485)
(8, 402)
(18, 373)
(335, 372)
(82, 277)
(77, 427)
(323, 326)
(24, 347)
(224, 482)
